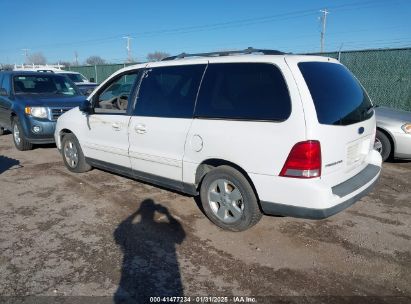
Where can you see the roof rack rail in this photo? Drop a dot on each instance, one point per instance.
(248, 50)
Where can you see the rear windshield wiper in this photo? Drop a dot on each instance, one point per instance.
(368, 109)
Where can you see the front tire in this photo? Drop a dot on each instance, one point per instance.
(73, 156)
(19, 139)
(229, 200)
(382, 145)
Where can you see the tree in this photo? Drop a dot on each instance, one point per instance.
(6, 67)
(95, 60)
(64, 63)
(36, 58)
(157, 56)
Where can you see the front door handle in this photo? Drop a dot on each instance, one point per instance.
(140, 129)
(116, 126)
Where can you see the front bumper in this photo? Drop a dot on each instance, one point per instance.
(46, 133)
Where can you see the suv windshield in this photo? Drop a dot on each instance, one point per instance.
(75, 77)
(338, 97)
(44, 84)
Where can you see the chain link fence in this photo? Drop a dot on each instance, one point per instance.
(98, 72)
(385, 73)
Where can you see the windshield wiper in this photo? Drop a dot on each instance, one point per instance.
(57, 93)
(368, 109)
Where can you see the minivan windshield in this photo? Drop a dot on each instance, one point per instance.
(338, 97)
(44, 84)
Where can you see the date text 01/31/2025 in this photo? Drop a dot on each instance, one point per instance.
(203, 299)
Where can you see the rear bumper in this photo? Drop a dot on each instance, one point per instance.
(361, 184)
(314, 198)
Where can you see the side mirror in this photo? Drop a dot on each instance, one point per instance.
(92, 79)
(88, 91)
(85, 106)
(3, 92)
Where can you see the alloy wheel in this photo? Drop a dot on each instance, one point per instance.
(225, 200)
(16, 134)
(71, 153)
(378, 145)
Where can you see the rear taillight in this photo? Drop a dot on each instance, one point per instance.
(304, 160)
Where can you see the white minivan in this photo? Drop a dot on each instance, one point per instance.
(250, 132)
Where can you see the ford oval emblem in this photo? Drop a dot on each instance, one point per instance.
(361, 130)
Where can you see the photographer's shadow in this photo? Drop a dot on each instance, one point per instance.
(7, 163)
(150, 267)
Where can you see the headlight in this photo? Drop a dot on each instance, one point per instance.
(406, 128)
(39, 112)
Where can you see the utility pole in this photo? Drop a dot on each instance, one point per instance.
(323, 22)
(339, 51)
(76, 58)
(26, 54)
(128, 48)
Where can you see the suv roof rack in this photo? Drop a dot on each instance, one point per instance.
(248, 50)
(38, 67)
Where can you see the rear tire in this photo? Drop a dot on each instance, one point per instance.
(73, 156)
(383, 145)
(229, 200)
(19, 138)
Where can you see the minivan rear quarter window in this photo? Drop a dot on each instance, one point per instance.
(338, 97)
(246, 91)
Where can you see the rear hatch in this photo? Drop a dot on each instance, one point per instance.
(339, 114)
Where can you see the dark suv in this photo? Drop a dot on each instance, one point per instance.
(31, 102)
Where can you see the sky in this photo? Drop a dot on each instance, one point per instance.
(58, 29)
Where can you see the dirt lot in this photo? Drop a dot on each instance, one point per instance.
(101, 234)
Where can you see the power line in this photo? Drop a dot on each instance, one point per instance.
(218, 26)
(258, 20)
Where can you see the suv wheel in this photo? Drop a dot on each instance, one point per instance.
(19, 138)
(229, 200)
(73, 156)
(382, 145)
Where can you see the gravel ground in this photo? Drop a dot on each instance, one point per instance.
(99, 234)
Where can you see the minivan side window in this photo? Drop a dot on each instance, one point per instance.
(169, 91)
(246, 91)
(116, 95)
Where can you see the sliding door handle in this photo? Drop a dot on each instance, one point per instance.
(116, 126)
(140, 129)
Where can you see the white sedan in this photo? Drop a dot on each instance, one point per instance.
(393, 137)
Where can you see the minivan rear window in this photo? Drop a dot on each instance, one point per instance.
(338, 97)
(244, 91)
